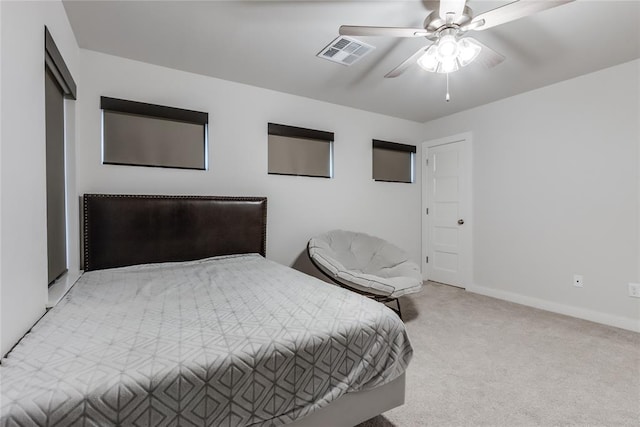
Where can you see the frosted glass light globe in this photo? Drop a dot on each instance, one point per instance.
(447, 47)
(429, 60)
(448, 66)
(469, 50)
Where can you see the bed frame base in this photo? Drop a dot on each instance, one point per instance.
(354, 408)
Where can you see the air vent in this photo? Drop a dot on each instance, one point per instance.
(345, 50)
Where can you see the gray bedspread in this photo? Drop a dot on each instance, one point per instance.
(226, 341)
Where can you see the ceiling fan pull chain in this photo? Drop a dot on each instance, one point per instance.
(447, 97)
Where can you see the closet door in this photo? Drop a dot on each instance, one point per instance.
(56, 203)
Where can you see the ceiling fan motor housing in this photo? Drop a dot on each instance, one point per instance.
(436, 25)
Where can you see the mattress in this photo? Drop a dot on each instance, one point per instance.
(233, 341)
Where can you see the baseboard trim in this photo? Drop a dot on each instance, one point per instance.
(554, 307)
(60, 288)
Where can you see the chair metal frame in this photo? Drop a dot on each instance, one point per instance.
(379, 298)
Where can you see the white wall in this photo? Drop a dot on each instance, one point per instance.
(556, 192)
(298, 207)
(23, 280)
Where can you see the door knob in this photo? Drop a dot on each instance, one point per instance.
(461, 221)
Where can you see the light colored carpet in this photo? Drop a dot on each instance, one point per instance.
(480, 361)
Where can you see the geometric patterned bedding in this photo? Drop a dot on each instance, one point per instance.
(234, 341)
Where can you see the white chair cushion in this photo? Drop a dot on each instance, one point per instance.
(366, 263)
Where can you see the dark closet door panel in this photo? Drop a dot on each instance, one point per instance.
(56, 211)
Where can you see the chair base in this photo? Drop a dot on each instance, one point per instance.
(379, 298)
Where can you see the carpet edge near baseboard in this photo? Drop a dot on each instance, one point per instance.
(621, 322)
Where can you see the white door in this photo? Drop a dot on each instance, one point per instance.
(446, 212)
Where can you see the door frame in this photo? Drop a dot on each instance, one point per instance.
(467, 139)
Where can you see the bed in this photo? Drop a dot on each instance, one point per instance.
(179, 319)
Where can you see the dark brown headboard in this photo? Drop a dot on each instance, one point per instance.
(121, 230)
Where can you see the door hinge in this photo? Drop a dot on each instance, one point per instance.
(427, 211)
(427, 162)
(427, 260)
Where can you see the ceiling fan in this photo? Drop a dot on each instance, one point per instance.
(447, 28)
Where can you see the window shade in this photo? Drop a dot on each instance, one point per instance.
(141, 134)
(392, 162)
(299, 151)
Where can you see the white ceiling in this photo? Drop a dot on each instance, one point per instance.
(273, 45)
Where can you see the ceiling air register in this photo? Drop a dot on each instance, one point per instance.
(345, 50)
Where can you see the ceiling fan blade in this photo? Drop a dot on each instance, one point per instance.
(354, 30)
(451, 8)
(488, 57)
(512, 11)
(407, 63)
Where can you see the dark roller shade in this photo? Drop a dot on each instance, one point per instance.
(392, 162)
(299, 151)
(297, 132)
(55, 175)
(296, 156)
(153, 110)
(141, 134)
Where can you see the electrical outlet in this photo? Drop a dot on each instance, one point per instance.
(577, 281)
(634, 290)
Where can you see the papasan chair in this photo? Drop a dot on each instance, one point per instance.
(365, 264)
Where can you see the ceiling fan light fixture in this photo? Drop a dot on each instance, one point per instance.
(443, 57)
(469, 51)
(448, 66)
(447, 47)
(429, 61)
